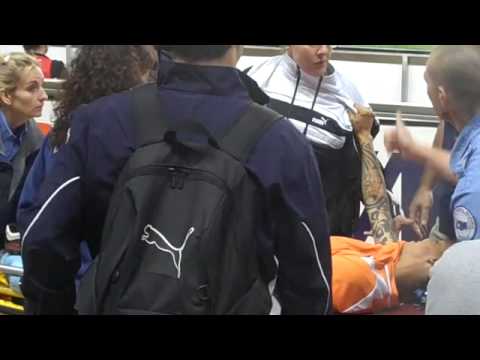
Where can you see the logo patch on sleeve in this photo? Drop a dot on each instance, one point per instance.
(465, 225)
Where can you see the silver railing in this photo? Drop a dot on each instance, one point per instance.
(413, 115)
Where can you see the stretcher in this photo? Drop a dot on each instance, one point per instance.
(11, 272)
(11, 299)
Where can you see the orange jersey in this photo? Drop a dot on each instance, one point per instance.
(363, 275)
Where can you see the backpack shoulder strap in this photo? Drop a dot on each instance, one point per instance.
(147, 115)
(239, 140)
(244, 135)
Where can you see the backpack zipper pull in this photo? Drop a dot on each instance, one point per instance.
(181, 175)
(173, 178)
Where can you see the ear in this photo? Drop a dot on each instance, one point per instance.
(443, 98)
(6, 98)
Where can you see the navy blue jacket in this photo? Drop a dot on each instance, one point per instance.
(73, 200)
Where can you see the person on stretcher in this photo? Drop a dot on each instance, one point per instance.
(369, 278)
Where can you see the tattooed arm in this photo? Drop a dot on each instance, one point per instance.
(375, 195)
(375, 198)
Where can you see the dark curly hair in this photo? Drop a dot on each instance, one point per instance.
(101, 70)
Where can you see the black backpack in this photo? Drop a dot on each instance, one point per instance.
(180, 236)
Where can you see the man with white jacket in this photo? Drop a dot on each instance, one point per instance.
(307, 89)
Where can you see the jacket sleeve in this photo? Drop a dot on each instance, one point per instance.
(51, 228)
(466, 199)
(34, 179)
(287, 167)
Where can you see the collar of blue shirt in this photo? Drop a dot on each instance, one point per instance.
(466, 137)
(9, 141)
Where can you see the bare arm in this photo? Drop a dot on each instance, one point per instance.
(422, 202)
(375, 198)
(437, 159)
(429, 177)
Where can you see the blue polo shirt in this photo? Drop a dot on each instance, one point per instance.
(11, 140)
(465, 163)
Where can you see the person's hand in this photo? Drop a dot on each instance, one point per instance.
(400, 139)
(420, 208)
(362, 121)
(400, 222)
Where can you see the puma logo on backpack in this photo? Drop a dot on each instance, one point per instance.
(154, 237)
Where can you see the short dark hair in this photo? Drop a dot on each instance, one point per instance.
(457, 67)
(197, 52)
(30, 48)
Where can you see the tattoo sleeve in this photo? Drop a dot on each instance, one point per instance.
(376, 200)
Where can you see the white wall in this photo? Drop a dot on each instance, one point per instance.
(417, 87)
(378, 83)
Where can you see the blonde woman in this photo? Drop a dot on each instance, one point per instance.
(21, 99)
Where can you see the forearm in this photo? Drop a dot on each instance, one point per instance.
(376, 200)
(437, 160)
(430, 176)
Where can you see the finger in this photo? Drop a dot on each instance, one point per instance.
(418, 231)
(403, 221)
(408, 221)
(351, 115)
(412, 212)
(425, 215)
(424, 230)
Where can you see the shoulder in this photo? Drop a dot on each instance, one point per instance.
(108, 105)
(284, 141)
(33, 132)
(284, 160)
(107, 113)
(263, 70)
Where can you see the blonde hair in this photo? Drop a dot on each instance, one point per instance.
(12, 67)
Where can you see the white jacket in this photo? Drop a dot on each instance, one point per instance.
(278, 78)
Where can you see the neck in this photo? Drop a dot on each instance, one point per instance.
(230, 59)
(205, 62)
(462, 120)
(407, 268)
(404, 283)
(13, 120)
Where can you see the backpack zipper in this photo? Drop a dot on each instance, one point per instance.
(178, 174)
